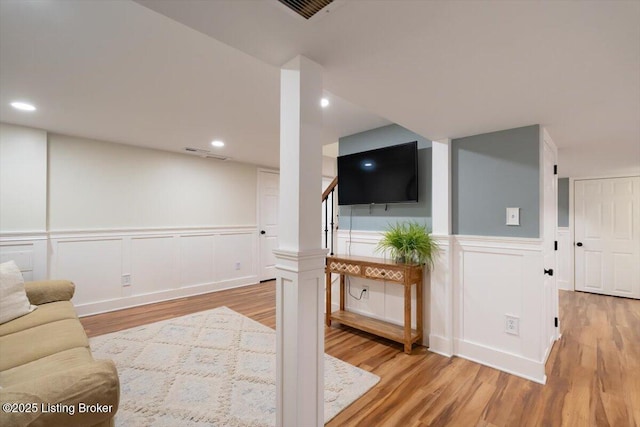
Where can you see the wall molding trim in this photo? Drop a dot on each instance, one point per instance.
(120, 232)
(361, 235)
(300, 261)
(13, 236)
(520, 243)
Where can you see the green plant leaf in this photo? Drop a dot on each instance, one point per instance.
(409, 240)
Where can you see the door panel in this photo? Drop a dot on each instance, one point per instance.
(607, 236)
(622, 264)
(593, 269)
(269, 201)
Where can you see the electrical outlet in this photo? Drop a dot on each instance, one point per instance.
(126, 280)
(512, 325)
(237, 266)
(365, 292)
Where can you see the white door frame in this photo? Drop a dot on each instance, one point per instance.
(258, 217)
(554, 310)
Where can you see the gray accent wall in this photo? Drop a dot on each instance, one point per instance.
(563, 202)
(378, 217)
(494, 171)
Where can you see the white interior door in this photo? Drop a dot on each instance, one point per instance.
(268, 201)
(550, 235)
(607, 236)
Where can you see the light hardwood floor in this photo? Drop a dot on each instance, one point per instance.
(593, 372)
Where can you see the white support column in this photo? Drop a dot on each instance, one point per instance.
(441, 328)
(300, 258)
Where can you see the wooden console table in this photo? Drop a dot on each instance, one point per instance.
(406, 275)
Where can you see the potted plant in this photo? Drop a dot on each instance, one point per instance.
(409, 242)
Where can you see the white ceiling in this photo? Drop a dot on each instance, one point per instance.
(118, 71)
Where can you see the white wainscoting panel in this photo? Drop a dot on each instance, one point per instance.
(488, 291)
(490, 277)
(495, 277)
(28, 250)
(197, 265)
(386, 300)
(162, 263)
(153, 264)
(235, 256)
(565, 259)
(95, 266)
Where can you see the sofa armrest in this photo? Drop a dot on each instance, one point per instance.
(44, 291)
(85, 395)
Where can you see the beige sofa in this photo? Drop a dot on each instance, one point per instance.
(48, 376)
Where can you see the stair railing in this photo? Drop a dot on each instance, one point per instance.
(328, 202)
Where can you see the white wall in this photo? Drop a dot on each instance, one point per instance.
(329, 166)
(23, 199)
(128, 225)
(23, 179)
(100, 185)
(177, 225)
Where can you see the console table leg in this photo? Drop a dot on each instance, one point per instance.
(407, 319)
(342, 292)
(419, 312)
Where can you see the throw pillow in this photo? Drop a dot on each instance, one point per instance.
(13, 298)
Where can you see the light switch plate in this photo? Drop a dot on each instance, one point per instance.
(513, 216)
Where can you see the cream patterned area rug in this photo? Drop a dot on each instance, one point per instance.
(212, 368)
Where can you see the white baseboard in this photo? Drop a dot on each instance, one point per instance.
(511, 363)
(440, 345)
(99, 307)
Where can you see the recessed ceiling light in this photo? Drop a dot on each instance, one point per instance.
(217, 143)
(324, 102)
(23, 106)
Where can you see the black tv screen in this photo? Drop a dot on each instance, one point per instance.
(385, 175)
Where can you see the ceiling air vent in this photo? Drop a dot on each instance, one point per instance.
(204, 153)
(306, 8)
(213, 156)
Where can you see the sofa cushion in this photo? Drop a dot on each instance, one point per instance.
(40, 341)
(94, 383)
(44, 291)
(45, 313)
(57, 362)
(13, 298)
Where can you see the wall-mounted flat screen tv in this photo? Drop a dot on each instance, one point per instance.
(385, 175)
